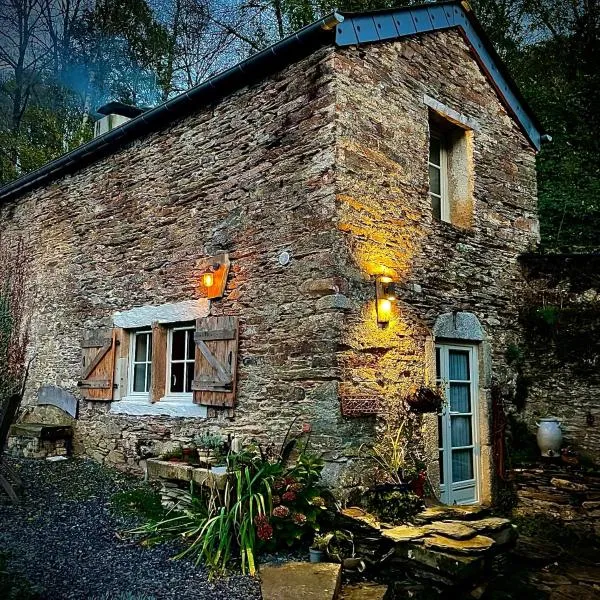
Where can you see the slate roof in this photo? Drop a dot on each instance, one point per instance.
(338, 29)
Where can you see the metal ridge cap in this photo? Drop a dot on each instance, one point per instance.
(153, 119)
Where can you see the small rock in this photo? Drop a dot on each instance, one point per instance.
(565, 484)
(404, 533)
(475, 545)
(454, 530)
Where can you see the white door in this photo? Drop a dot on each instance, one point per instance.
(456, 372)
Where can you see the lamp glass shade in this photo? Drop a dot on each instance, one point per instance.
(208, 279)
(384, 310)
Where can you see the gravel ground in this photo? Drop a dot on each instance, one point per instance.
(63, 538)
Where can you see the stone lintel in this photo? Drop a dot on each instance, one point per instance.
(173, 312)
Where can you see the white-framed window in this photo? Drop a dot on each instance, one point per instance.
(438, 176)
(140, 368)
(181, 352)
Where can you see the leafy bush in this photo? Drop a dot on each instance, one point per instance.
(264, 505)
(393, 506)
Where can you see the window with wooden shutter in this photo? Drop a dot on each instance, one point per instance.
(98, 364)
(216, 361)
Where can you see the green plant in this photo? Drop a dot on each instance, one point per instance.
(208, 441)
(321, 541)
(176, 452)
(340, 545)
(141, 501)
(393, 506)
(263, 505)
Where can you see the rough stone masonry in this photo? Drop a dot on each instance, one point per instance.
(326, 160)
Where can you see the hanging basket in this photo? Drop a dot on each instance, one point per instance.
(425, 400)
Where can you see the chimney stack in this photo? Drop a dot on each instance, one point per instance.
(115, 114)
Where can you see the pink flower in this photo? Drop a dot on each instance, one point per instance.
(318, 501)
(299, 519)
(264, 530)
(289, 496)
(281, 512)
(290, 480)
(276, 500)
(296, 487)
(279, 483)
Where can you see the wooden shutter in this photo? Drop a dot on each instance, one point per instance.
(216, 361)
(98, 365)
(158, 384)
(121, 363)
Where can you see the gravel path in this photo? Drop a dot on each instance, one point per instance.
(63, 538)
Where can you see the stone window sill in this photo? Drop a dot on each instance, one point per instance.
(165, 407)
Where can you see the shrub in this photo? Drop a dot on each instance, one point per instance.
(264, 505)
(141, 501)
(393, 506)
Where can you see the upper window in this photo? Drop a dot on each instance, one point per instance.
(438, 173)
(141, 362)
(450, 171)
(182, 353)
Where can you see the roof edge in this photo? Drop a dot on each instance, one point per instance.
(264, 63)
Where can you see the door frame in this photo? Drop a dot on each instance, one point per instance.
(474, 356)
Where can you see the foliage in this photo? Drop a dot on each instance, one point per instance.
(141, 501)
(340, 545)
(209, 441)
(265, 504)
(393, 505)
(176, 452)
(321, 541)
(14, 586)
(521, 444)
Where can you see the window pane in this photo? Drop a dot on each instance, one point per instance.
(462, 465)
(178, 345)
(440, 432)
(189, 376)
(461, 431)
(459, 364)
(141, 345)
(437, 207)
(139, 378)
(441, 467)
(434, 180)
(177, 377)
(434, 150)
(460, 397)
(149, 340)
(438, 367)
(148, 377)
(191, 348)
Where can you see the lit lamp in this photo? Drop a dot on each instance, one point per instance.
(212, 277)
(385, 293)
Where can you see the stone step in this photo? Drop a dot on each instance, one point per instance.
(364, 591)
(300, 581)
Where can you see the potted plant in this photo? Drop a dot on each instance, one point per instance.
(425, 399)
(319, 547)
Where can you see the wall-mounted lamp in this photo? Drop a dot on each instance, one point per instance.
(385, 294)
(213, 276)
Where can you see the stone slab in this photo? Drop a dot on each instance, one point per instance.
(404, 533)
(364, 591)
(451, 529)
(57, 396)
(457, 568)
(172, 312)
(41, 431)
(441, 512)
(300, 581)
(476, 545)
(360, 515)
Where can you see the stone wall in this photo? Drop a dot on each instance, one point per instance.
(560, 354)
(252, 175)
(328, 161)
(386, 217)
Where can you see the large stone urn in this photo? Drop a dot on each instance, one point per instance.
(549, 437)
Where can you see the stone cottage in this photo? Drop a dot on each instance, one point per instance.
(302, 236)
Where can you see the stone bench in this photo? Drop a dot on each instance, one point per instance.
(39, 440)
(44, 429)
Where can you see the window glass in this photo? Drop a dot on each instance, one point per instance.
(182, 360)
(459, 365)
(142, 362)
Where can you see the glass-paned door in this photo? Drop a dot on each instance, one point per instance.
(456, 373)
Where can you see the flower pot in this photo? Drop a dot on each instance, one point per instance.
(549, 437)
(316, 556)
(425, 400)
